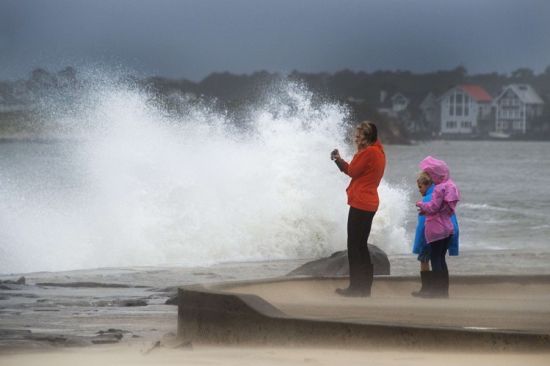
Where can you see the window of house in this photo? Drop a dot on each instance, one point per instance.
(451, 124)
(459, 102)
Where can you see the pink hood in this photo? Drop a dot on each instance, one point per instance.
(438, 170)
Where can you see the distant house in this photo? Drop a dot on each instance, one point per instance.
(399, 102)
(405, 108)
(462, 109)
(516, 107)
(394, 105)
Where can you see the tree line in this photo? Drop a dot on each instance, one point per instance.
(359, 91)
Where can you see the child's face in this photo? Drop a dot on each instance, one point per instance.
(422, 188)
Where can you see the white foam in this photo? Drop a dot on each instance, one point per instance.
(484, 206)
(192, 191)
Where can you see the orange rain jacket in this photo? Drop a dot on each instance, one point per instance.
(366, 170)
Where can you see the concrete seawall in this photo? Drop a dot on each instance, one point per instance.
(272, 312)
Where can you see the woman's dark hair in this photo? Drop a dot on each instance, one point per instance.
(373, 133)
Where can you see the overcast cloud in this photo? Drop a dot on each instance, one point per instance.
(192, 38)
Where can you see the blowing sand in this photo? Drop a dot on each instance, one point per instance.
(207, 355)
(518, 305)
(502, 304)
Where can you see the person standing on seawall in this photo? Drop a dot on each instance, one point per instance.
(366, 170)
(421, 247)
(439, 228)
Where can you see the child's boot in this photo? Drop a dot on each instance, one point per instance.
(426, 289)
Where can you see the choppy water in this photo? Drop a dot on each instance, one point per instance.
(141, 189)
(505, 200)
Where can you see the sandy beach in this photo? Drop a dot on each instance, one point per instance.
(244, 356)
(65, 325)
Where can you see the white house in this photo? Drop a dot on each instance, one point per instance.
(462, 107)
(516, 107)
(399, 102)
(393, 106)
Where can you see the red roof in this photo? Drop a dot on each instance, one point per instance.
(476, 92)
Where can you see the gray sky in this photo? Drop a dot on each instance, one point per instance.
(192, 38)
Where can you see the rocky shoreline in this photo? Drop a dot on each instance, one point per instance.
(136, 306)
(47, 315)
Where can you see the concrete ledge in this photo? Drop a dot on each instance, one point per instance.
(214, 314)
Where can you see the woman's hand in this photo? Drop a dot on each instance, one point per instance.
(335, 154)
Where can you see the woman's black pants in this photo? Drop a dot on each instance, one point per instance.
(360, 265)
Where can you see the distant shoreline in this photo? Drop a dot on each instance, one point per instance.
(53, 140)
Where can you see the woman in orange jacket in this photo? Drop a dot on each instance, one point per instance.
(366, 170)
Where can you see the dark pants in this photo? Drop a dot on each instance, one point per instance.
(439, 250)
(360, 265)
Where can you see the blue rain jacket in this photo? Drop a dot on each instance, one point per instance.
(420, 237)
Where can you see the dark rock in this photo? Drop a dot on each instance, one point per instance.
(20, 281)
(173, 300)
(12, 286)
(109, 336)
(49, 309)
(171, 289)
(120, 303)
(132, 302)
(112, 333)
(337, 264)
(14, 333)
(83, 285)
(11, 339)
(24, 295)
(105, 340)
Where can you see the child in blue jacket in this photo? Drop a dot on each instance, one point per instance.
(420, 246)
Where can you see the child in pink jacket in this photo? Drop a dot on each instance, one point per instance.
(438, 226)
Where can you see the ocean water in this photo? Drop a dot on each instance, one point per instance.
(505, 200)
(134, 186)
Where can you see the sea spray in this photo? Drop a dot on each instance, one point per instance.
(148, 188)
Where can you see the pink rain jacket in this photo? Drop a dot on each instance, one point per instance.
(445, 196)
